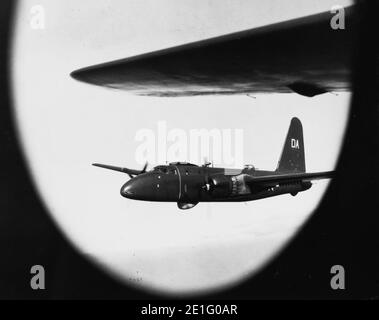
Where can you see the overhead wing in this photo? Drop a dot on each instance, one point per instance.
(273, 180)
(305, 55)
(130, 172)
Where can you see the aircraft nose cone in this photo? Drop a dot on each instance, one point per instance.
(138, 188)
(127, 190)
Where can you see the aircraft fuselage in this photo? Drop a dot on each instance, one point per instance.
(186, 183)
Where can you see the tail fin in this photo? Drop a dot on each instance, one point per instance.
(292, 158)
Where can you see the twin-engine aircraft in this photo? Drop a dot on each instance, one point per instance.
(188, 184)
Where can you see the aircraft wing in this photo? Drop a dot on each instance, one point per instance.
(119, 169)
(304, 55)
(273, 180)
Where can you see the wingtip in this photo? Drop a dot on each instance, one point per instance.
(77, 75)
(80, 75)
(74, 74)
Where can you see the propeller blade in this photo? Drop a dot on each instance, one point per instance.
(144, 168)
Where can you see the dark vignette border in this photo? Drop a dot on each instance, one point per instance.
(343, 230)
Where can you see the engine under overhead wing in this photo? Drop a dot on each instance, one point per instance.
(304, 55)
(290, 178)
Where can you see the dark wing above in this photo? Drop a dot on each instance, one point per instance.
(273, 180)
(304, 55)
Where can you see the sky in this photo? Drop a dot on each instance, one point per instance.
(65, 126)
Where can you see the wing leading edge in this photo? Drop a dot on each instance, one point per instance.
(303, 55)
(119, 169)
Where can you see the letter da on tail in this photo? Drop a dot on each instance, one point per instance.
(293, 158)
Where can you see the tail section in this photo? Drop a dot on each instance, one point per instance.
(292, 158)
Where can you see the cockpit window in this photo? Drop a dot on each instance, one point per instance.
(161, 169)
(165, 170)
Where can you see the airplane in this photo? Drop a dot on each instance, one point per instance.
(188, 184)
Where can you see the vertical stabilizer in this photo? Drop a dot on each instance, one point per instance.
(293, 158)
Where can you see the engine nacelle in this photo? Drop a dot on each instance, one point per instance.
(221, 186)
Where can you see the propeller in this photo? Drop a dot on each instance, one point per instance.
(141, 172)
(208, 182)
(144, 168)
(206, 162)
